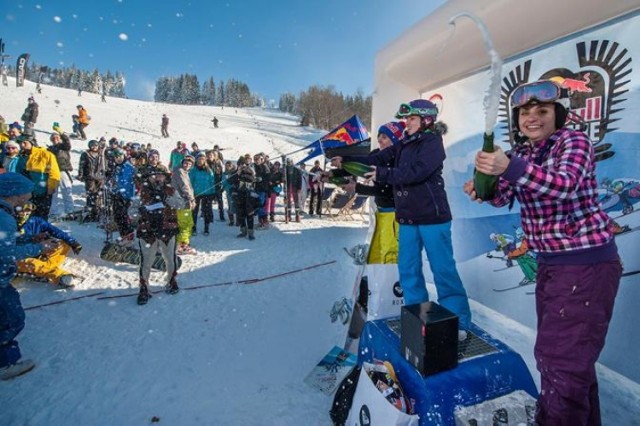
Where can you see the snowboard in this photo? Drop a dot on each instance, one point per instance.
(17, 369)
(113, 252)
(327, 375)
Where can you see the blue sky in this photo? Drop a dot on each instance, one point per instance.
(273, 46)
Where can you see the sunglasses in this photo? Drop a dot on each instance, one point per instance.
(406, 110)
(543, 91)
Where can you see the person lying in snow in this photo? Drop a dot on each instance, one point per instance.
(56, 242)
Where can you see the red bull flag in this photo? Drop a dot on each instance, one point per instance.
(351, 132)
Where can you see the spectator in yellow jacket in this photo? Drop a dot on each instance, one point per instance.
(42, 169)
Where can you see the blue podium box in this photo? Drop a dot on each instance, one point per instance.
(493, 371)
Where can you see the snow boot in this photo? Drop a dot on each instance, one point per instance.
(231, 223)
(172, 286)
(251, 236)
(193, 231)
(222, 219)
(143, 295)
(206, 229)
(243, 232)
(18, 369)
(272, 217)
(297, 216)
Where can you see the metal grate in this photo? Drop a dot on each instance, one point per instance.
(472, 347)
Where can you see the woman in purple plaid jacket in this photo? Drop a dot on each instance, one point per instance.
(552, 175)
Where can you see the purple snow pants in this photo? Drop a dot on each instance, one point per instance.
(574, 304)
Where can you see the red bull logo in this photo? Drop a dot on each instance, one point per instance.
(573, 85)
(340, 134)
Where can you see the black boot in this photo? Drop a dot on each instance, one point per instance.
(243, 232)
(222, 219)
(206, 229)
(172, 286)
(143, 295)
(193, 231)
(272, 217)
(231, 223)
(251, 236)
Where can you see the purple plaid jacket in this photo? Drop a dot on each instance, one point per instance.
(554, 181)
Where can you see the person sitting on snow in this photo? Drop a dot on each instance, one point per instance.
(157, 229)
(56, 242)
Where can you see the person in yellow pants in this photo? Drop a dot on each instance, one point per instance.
(57, 243)
(181, 182)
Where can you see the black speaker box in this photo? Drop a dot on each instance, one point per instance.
(429, 337)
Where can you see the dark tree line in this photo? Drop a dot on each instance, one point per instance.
(74, 78)
(324, 108)
(186, 90)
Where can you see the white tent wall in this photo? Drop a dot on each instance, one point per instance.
(588, 42)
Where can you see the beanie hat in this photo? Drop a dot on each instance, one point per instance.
(153, 152)
(118, 152)
(14, 184)
(242, 160)
(189, 158)
(201, 154)
(393, 130)
(15, 125)
(92, 143)
(12, 144)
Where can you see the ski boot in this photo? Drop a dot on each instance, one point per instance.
(243, 232)
(172, 286)
(143, 295)
(251, 236)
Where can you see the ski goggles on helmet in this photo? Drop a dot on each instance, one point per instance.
(542, 91)
(407, 110)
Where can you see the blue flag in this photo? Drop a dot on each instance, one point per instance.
(351, 132)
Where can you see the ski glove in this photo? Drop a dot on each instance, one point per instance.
(76, 247)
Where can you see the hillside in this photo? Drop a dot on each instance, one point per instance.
(228, 354)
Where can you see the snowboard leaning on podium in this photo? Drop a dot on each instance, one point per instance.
(114, 252)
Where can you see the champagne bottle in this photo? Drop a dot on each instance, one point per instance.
(356, 169)
(485, 185)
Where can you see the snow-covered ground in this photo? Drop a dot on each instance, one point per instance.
(227, 354)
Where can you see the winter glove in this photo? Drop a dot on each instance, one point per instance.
(57, 128)
(76, 247)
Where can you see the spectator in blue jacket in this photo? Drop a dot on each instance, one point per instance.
(203, 182)
(422, 208)
(122, 192)
(15, 190)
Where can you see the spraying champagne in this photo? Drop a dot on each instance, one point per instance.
(485, 185)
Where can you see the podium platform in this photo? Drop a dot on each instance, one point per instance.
(487, 369)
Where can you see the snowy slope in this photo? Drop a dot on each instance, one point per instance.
(229, 354)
